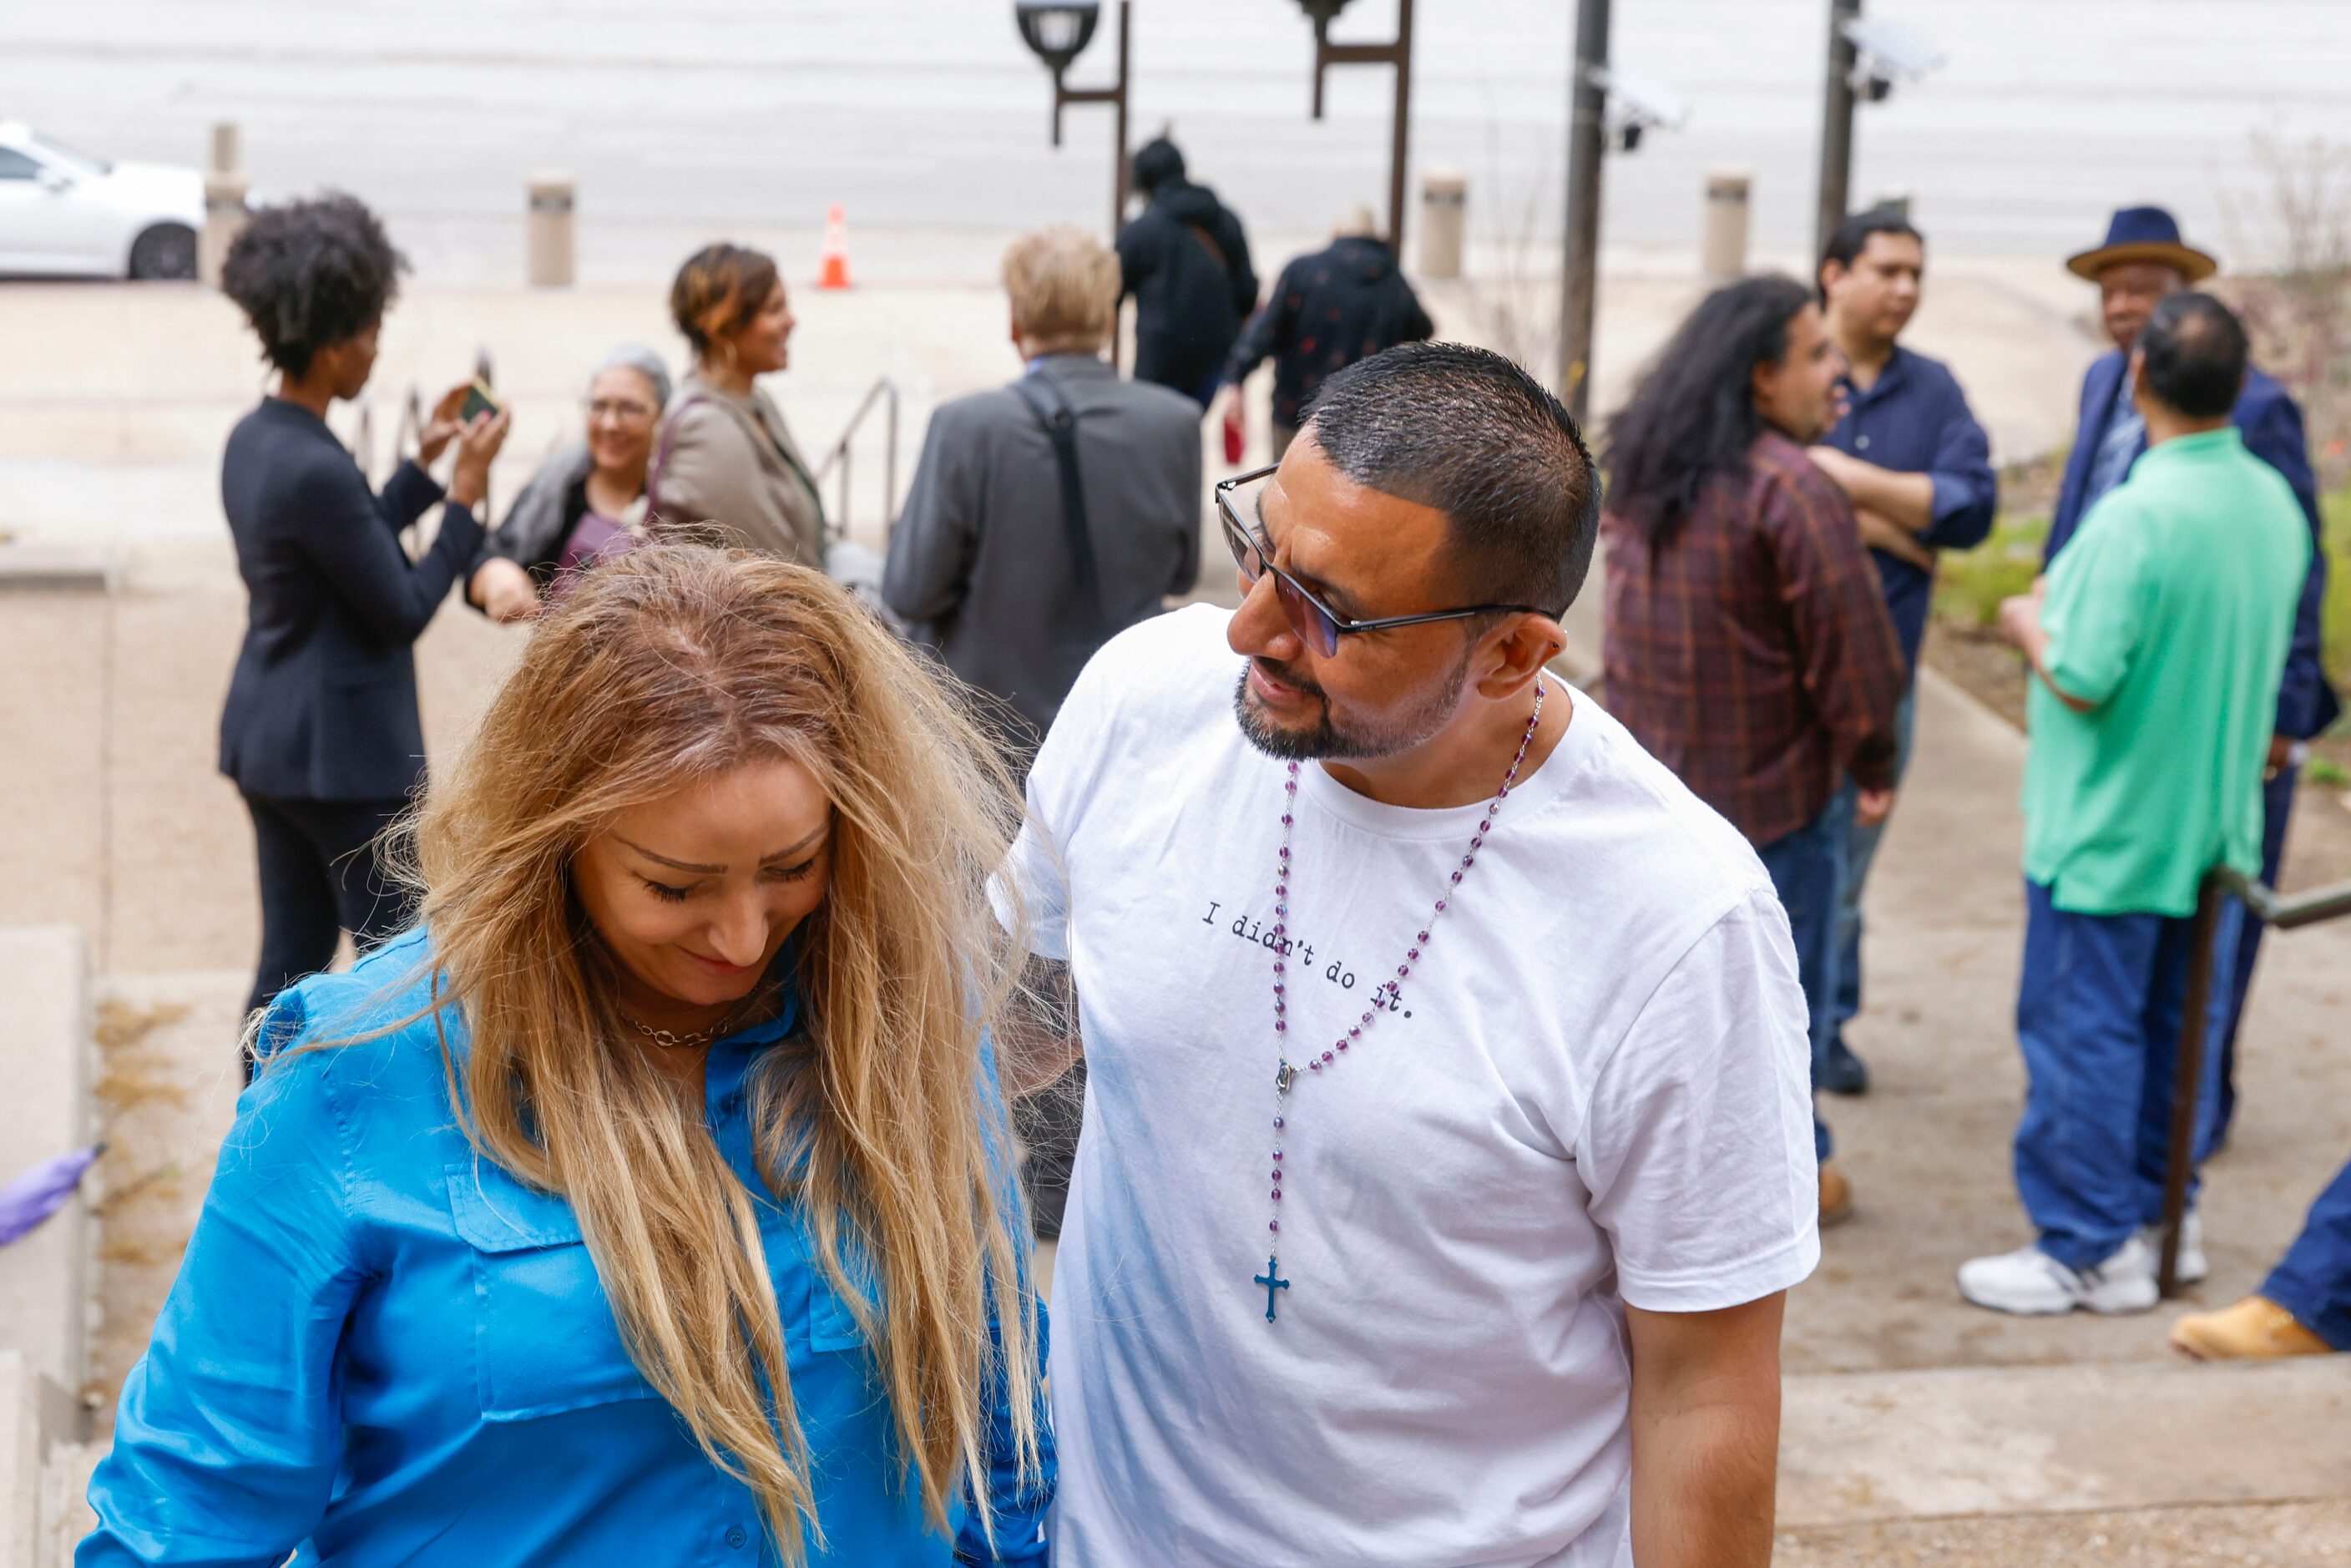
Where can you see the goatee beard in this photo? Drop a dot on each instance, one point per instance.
(1324, 741)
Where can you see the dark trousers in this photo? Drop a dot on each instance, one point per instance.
(1806, 867)
(2277, 804)
(1049, 1123)
(2314, 1280)
(2099, 1014)
(322, 873)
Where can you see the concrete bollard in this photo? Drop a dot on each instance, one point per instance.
(1722, 248)
(548, 239)
(1444, 207)
(225, 215)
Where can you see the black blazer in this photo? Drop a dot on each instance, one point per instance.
(323, 703)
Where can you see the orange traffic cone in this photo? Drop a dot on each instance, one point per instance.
(835, 273)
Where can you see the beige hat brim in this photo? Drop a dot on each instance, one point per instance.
(2193, 264)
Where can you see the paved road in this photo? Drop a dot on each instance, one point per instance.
(928, 117)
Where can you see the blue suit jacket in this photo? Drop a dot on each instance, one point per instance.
(2272, 423)
(322, 705)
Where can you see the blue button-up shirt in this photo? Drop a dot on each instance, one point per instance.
(382, 1349)
(1914, 419)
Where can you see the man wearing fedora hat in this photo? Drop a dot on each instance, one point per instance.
(2143, 259)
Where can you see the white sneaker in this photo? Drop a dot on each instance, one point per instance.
(2190, 1265)
(2032, 1283)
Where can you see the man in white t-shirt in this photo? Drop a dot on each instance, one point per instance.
(1448, 1132)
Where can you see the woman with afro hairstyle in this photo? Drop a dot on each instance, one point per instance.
(320, 732)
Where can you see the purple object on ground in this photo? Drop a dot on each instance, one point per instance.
(42, 1191)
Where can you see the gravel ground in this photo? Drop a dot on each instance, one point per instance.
(2278, 1536)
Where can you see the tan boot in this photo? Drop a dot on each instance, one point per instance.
(1836, 1196)
(2255, 1329)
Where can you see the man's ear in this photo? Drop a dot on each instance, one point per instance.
(1519, 648)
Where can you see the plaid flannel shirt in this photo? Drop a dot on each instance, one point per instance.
(1753, 654)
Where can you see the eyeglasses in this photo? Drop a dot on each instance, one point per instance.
(626, 410)
(1316, 623)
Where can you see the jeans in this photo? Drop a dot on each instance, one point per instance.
(2277, 804)
(1860, 850)
(2099, 1016)
(2314, 1280)
(1805, 867)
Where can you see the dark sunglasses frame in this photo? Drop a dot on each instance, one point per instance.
(1311, 619)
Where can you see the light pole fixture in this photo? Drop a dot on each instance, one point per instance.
(1057, 32)
(1322, 13)
(1867, 58)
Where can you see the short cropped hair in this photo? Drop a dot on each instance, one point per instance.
(1064, 286)
(2195, 353)
(309, 275)
(1469, 433)
(1851, 237)
(718, 291)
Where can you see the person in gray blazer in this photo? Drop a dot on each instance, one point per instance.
(1012, 572)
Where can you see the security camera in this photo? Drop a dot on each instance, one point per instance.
(1887, 52)
(1636, 102)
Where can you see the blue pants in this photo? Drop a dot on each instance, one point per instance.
(2099, 1016)
(2314, 1281)
(1860, 850)
(1805, 867)
(2277, 804)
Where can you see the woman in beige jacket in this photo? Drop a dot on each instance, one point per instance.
(724, 457)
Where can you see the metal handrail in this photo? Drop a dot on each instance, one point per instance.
(2271, 908)
(2266, 904)
(885, 392)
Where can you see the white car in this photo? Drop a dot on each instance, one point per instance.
(63, 214)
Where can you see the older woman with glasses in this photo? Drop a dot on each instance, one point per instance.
(586, 502)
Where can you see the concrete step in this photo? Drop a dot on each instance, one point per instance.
(45, 1050)
(1870, 1447)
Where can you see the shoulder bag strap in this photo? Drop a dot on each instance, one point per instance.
(661, 461)
(1061, 427)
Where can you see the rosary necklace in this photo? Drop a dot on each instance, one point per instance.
(1384, 996)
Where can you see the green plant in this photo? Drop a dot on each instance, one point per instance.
(1970, 584)
(2334, 619)
(2320, 770)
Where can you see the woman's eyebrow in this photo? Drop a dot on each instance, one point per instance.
(719, 870)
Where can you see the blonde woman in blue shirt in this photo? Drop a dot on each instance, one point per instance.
(649, 1204)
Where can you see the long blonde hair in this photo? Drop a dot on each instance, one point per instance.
(669, 663)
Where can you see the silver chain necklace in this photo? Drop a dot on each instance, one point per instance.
(1384, 996)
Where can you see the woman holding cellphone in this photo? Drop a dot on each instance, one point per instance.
(321, 731)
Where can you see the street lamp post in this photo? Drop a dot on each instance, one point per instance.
(1587, 127)
(1865, 59)
(1836, 125)
(1057, 32)
(1322, 13)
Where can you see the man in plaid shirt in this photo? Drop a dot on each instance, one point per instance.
(1748, 643)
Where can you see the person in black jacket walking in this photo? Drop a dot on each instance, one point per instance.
(1344, 302)
(320, 732)
(1186, 262)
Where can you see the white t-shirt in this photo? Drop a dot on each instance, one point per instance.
(1594, 1090)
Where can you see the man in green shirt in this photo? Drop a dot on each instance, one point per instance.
(2156, 643)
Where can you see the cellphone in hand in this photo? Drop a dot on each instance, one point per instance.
(479, 400)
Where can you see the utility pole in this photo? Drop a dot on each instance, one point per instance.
(1586, 132)
(1836, 124)
(1398, 55)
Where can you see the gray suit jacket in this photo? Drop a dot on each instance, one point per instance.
(980, 562)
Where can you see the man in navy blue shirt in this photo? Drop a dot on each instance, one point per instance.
(2143, 259)
(1917, 468)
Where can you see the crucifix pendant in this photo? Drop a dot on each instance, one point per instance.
(1273, 1281)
